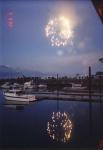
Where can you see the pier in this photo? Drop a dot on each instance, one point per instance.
(95, 97)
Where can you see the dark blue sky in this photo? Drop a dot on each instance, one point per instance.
(25, 44)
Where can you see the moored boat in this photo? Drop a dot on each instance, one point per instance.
(18, 95)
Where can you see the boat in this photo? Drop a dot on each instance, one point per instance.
(42, 86)
(6, 85)
(77, 87)
(18, 95)
(29, 85)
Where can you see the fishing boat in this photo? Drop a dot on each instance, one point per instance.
(18, 95)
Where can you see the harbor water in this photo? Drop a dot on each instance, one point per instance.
(25, 125)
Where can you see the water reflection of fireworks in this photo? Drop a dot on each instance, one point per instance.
(59, 127)
(59, 31)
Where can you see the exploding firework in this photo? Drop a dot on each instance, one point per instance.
(59, 128)
(59, 31)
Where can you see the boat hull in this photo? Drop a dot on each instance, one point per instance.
(15, 98)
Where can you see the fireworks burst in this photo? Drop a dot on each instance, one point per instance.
(59, 128)
(59, 31)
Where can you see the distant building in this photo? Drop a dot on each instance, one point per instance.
(99, 74)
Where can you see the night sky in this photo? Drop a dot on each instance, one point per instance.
(24, 43)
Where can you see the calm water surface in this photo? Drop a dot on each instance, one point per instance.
(26, 125)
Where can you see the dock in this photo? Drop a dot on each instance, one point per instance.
(85, 97)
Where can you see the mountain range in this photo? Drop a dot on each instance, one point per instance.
(9, 72)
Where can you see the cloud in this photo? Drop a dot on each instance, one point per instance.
(81, 45)
(70, 64)
(84, 43)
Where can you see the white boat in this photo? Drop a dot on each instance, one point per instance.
(29, 85)
(42, 86)
(18, 95)
(77, 87)
(6, 85)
